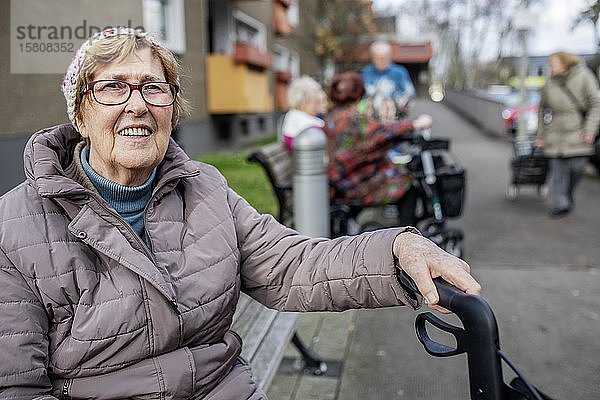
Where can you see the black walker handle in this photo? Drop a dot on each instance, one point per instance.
(478, 338)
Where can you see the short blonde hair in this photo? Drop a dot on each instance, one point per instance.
(302, 90)
(568, 60)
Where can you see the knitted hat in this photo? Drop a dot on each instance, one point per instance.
(69, 83)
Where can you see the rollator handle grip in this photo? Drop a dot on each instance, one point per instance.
(478, 337)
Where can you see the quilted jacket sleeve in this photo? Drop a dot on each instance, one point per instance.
(23, 338)
(288, 271)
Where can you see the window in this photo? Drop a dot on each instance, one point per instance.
(285, 60)
(294, 64)
(293, 14)
(280, 58)
(249, 31)
(166, 19)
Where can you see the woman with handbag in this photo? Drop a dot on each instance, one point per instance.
(569, 114)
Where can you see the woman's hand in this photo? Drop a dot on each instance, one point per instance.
(423, 260)
(422, 121)
(588, 137)
(539, 143)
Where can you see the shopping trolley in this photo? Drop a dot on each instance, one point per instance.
(529, 166)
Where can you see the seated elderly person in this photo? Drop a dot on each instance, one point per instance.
(122, 260)
(360, 169)
(308, 103)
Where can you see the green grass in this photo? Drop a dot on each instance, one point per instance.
(247, 179)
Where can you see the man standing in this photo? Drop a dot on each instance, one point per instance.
(385, 80)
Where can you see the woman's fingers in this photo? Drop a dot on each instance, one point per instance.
(462, 279)
(423, 260)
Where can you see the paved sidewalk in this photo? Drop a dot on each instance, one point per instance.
(540, 275)
(549, 329)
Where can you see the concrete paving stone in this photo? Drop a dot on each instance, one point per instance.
(331, 339)
(386, 361)
(313, 388)
(283, 387)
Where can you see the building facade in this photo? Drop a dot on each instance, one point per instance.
(238, 58)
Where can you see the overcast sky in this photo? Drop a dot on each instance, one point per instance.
(551, 32)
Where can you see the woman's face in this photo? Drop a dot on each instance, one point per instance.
(321, 107)
(317, 105)
(127, 141)
(556, 66)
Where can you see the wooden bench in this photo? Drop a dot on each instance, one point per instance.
(278, 164)
(265, 333)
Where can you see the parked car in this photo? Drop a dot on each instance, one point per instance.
(498, 92)
(512, 110)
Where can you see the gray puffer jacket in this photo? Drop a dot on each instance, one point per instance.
(89, 311)
(563, 132)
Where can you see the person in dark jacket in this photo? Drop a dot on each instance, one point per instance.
(569, 114)
(122, 260)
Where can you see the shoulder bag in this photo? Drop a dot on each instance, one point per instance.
(583, 116)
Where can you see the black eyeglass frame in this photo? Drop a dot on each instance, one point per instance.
(90, 87)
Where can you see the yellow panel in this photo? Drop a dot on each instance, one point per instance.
(236, 88)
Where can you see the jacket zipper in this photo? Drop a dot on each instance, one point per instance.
(147, 249)
(128, 227)
(64, 392)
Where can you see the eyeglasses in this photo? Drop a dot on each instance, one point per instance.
(114, 93)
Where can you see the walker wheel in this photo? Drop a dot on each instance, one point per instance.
(455, 246)
(512, 191)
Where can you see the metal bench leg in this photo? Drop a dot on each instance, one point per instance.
(312, 361)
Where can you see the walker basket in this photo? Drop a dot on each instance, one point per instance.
(451, 187)
(529, 170)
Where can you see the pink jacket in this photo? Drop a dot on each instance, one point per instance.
(89, 311)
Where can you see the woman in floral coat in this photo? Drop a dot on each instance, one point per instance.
(360, 169)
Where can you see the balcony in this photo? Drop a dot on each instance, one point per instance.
(283, 76)
(236, 88)
(244, 53)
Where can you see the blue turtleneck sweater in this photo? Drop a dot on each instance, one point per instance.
(128, 201)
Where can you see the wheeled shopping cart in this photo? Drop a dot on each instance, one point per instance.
(528, 167)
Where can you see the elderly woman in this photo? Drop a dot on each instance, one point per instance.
(122, 260)
(308, 102)
(358, 146)
(569, 112)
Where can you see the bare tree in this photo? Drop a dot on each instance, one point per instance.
(343, 23)
(467, 34)
(591, 14)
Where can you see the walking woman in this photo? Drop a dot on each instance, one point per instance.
(569, 114)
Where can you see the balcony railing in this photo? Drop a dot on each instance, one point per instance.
(244, 53)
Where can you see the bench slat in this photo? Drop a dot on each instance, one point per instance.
(266, 362)
(278, 164)
(265, 334)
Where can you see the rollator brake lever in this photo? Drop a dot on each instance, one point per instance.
(478, 338)
(445, 291)
(431, 346)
